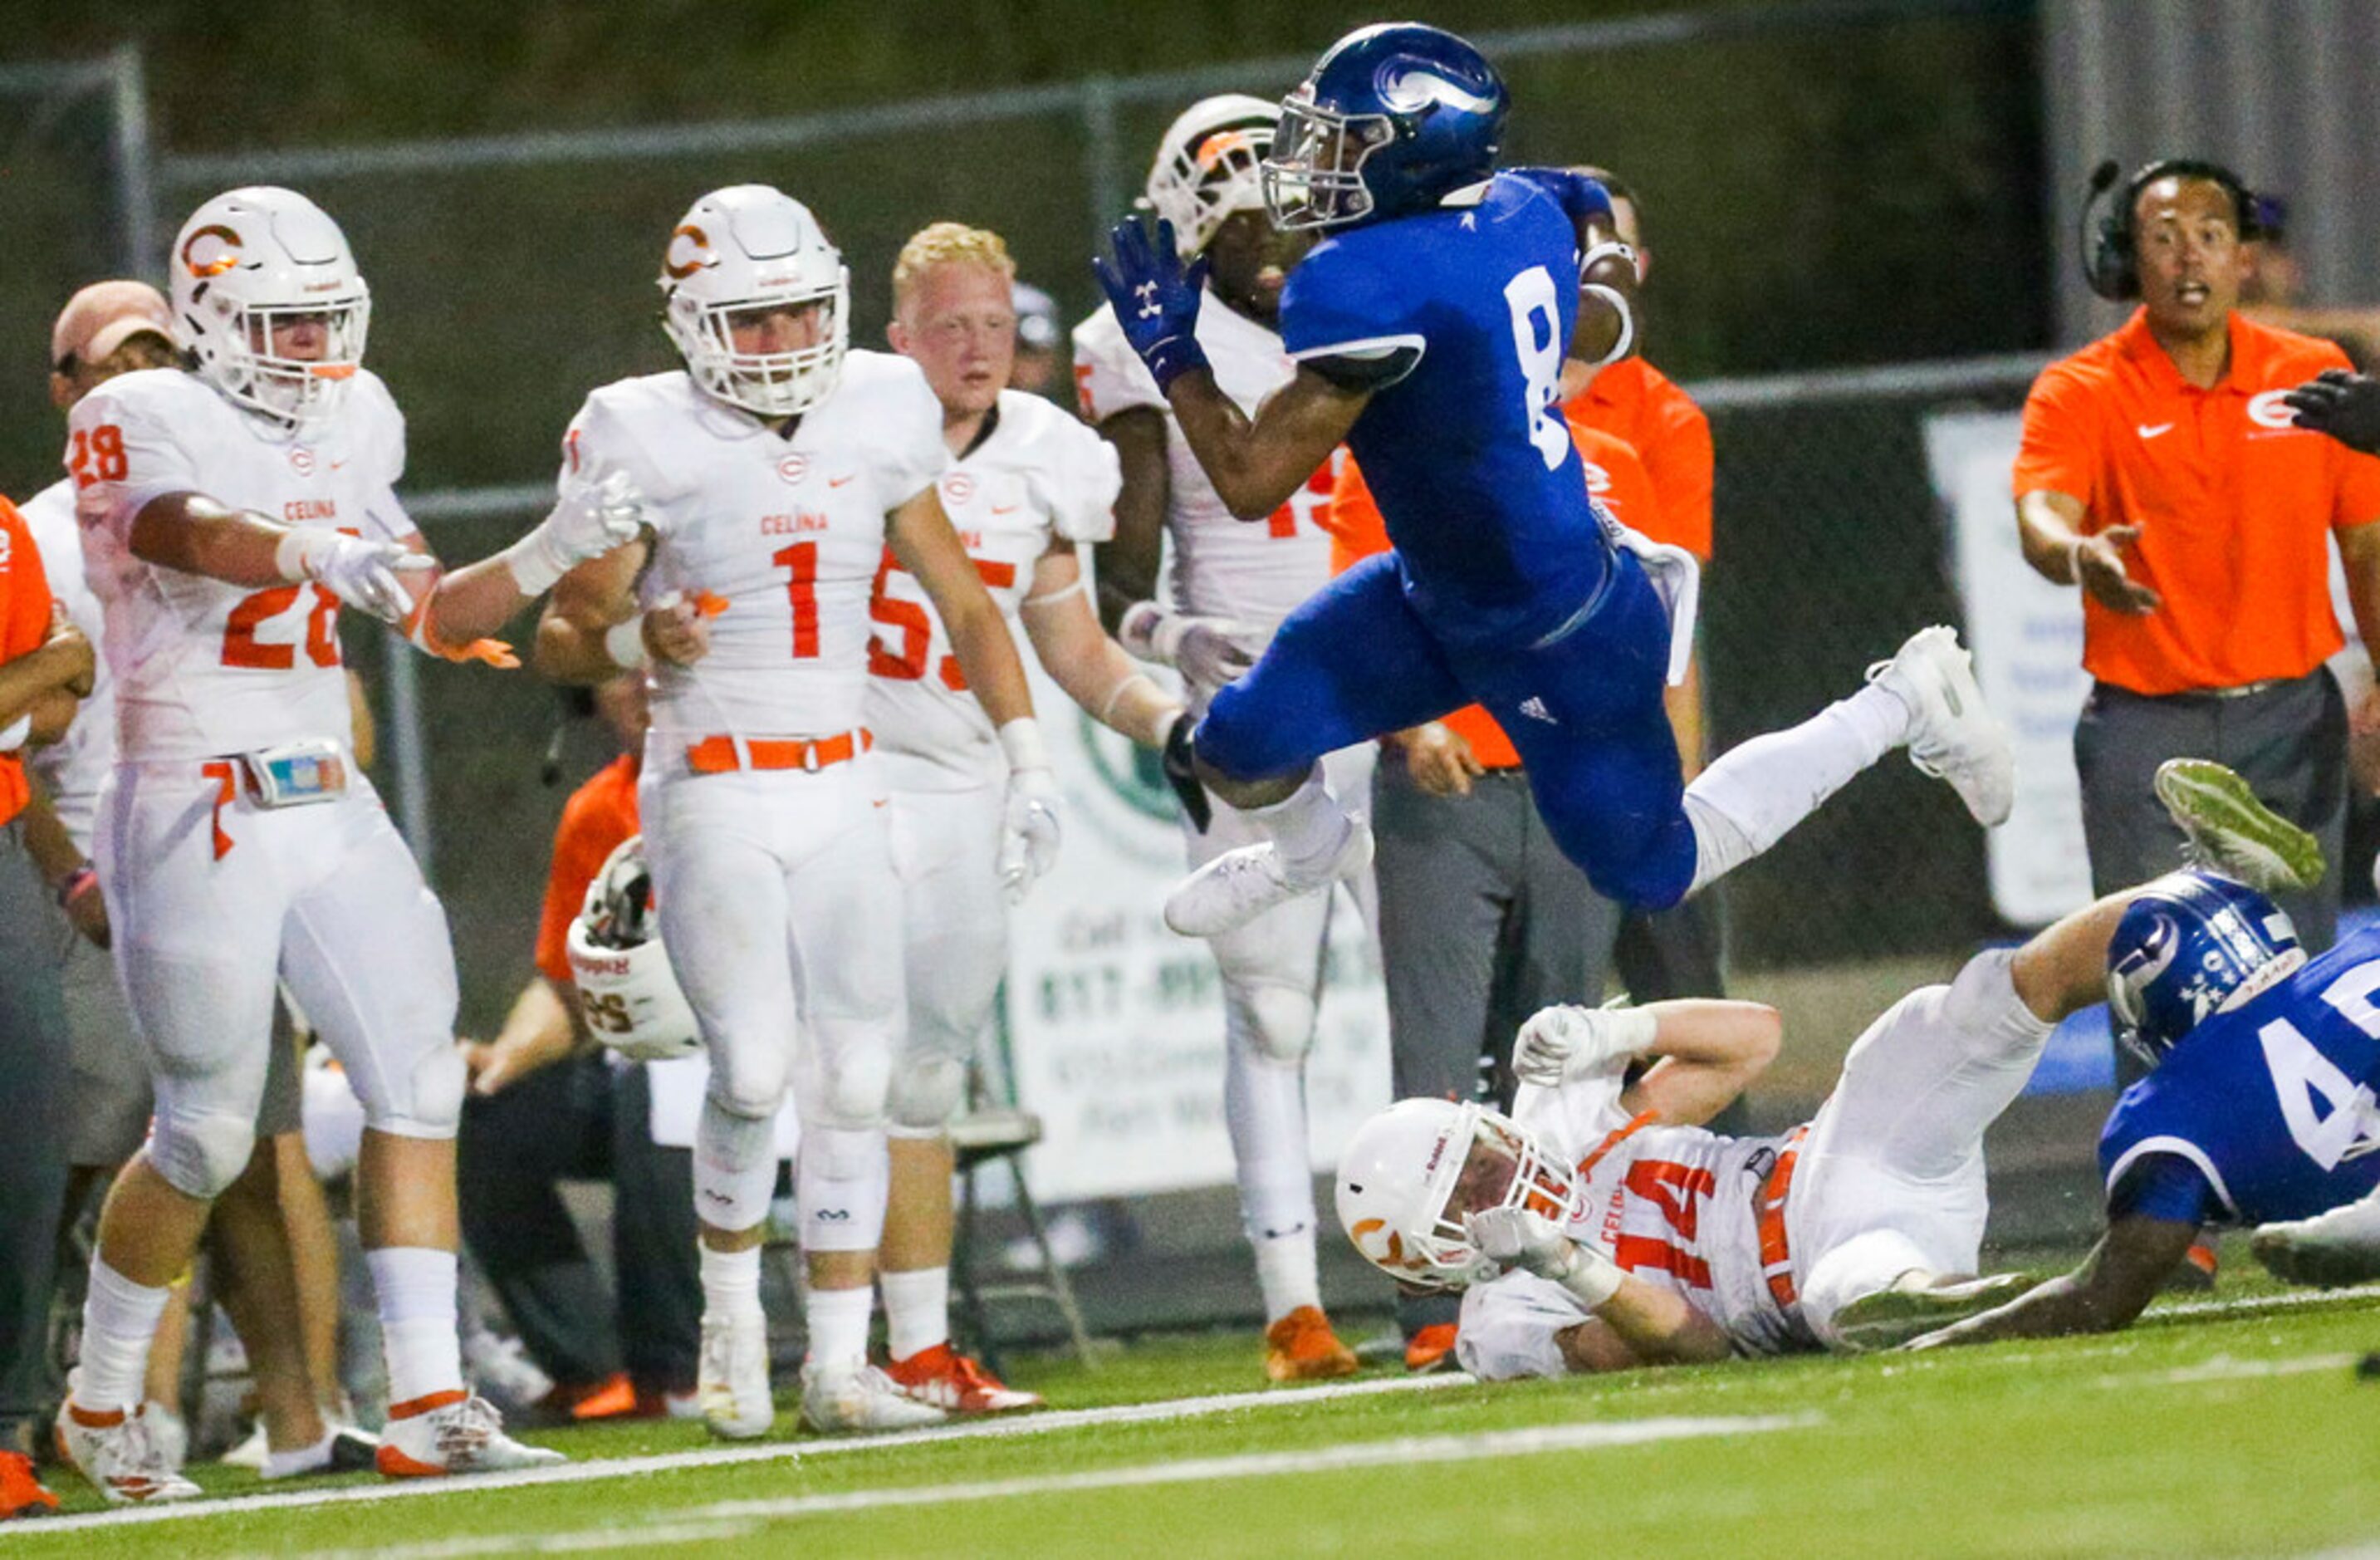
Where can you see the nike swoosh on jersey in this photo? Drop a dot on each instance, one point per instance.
(2151, 429)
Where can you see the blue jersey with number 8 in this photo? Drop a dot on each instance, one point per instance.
(1460, 319)
(2271, 1105)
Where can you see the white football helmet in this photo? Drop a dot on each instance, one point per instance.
(1399, 1175)
(253, 259)
(627, 989)
(1209, 165)
(751, 247)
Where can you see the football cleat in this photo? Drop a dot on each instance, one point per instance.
(2232, 833)
(1239, 886)
(1302, 1347)
(1917, 1303)
(944, 1378)
(731, 1384)
(2194, 1274)
(1953, 736)
(2333, 1248)
(349, 1451)
(118, 1451)
(861, 1398)
(452, 1433)
(21, 1494)
(1432, 1348)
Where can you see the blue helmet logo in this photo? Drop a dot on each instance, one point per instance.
(2189, 947)
(1392, 120)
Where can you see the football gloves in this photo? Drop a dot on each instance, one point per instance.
(368, 574)
(2344, 405)
(1564, 1042)
(1155, 297)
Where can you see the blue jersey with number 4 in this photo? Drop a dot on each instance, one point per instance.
(2264, 1112)
(1460, 318)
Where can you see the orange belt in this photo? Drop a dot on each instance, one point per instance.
(716, 755)
(1775, 1257)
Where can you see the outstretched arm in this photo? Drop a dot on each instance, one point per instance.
(2114, 1284)
(1257, 463)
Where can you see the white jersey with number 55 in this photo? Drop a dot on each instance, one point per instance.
(1037, 477)
(787, 528)
(204, 669)
(1251, 572)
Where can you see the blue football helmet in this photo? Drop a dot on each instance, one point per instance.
(1392, 119)
(2189, 945)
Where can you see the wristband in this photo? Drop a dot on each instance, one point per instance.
(535, 562)
(1606, 250)
(293, 553)
(1588, 1276)
(1021, 740)
(624, 643)
(1138, 632)
(1171, 358)
(81, 881)
(1633, 1030)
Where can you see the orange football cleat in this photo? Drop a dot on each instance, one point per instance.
(1432, 1348)
(21, 1494)
(612, 1398)
(946, 1379)
(1302, 1347)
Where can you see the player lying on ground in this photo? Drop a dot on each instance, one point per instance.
(1430, 327)
(2260, 1110)
(1600, 1228)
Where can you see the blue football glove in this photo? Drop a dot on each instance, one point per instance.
(1581, 196)
(1155, 297)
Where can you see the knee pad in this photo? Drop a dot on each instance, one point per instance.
(845, 1083)
(1279, 1019)
(200, 1152)
(747, 1080)
(423, 1100)
(927, 1093)
(844, 1181)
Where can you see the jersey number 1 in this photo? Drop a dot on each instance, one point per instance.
(1537, 336)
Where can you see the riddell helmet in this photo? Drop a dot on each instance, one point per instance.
(1392, 119)
(1399, 1174)
(2189, 945)
(1209, 165)
(627, 989)
(750, 246)
(252, 258)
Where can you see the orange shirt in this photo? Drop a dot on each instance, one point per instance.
(598, 815)
(24, 626)
(2235, 505)
(1633, 401)
(1613, 475)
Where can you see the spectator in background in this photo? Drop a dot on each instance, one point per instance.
(46, 666)
(2161, 471)
(1660, 955)
(1037, 341)
(546, 1107)
(2275, 291)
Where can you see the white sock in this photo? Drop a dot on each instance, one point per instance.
(731, 1281)
(119, 1322)
(305, 1459)
(838, 1322)
(1309, 826)
(1756, 791)
(917, 1309)
(1285, 1272)
(415, 1288)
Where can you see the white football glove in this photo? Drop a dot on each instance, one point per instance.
(1560, 1044)
(589, 520)
(1518, 1237)
(366, 574)
(1028, 835)
(1211, 651)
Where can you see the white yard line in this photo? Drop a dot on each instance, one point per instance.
(2250, 1306)
(727, 1519)
(774, 1451)
(2223, 1368)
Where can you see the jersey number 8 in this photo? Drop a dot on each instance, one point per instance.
(1537, 338)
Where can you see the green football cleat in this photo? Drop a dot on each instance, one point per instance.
(2231, 832)
(1920, 1302)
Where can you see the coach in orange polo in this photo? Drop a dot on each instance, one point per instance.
(2163, 471)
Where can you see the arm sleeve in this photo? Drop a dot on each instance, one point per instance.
(111, 490)
(2163, 1186)
(1108, 376)
(1078, 482)
(1345, 321)
(2060, 449)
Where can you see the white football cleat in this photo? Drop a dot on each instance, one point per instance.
(1953, 735)
(118, 1451)
(842, 1398)
(732, 1378)
(2337, 1248)
(1239, 886)
(459, 1435)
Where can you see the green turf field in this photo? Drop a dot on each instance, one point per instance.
(2240, 1429)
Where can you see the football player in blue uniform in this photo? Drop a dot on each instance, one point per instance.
(2261, 1106)
(1429, 326)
